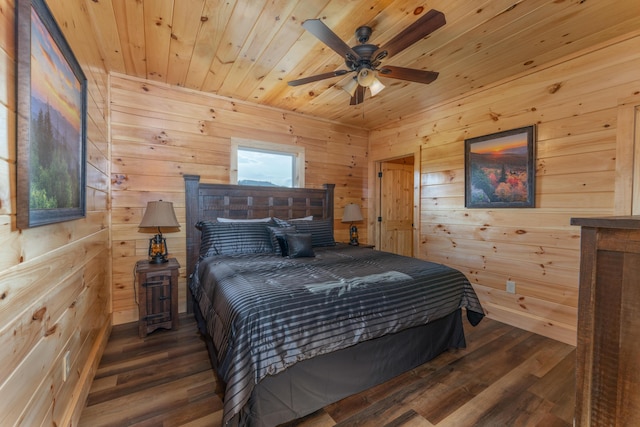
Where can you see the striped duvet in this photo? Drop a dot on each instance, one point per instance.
(265, 312)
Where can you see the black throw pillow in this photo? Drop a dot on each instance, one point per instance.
(299, 245)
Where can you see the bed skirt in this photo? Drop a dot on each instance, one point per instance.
(314, 383)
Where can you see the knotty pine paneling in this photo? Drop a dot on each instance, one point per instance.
(55, 293)
(574, 103)
(160, 132)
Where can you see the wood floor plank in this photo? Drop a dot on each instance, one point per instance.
(492, 405)
(505, 376)
(214, 419)
(194, 412)
(558, 386)
(409, 419)
(152, 375)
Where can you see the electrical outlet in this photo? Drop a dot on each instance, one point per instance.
(66, 365)
(511, 286)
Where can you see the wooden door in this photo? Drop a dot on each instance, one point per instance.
(396, 206)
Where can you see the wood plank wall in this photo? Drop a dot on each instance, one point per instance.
(160, 133)
(57, 281)
(54, 279)
(574, 104)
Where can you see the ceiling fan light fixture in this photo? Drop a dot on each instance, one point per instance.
(376, 87)
(351, 87)
(366, 77)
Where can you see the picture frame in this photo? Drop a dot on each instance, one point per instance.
(51, 103)
(500, 169)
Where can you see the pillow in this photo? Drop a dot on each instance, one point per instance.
(285, 222)
(321, 231)
(306, 218)
(226, 238)
(281, 222)
(267, 219)
(277, 238)
(299, 245)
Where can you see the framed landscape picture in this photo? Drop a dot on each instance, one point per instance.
(51, 101)
(500, 170)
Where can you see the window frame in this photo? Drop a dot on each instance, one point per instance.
(297, 152)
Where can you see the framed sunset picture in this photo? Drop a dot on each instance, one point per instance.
(51, 122)
(500, 169)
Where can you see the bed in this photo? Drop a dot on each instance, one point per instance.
(290, 334)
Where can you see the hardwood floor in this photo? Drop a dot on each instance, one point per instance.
(505, 377)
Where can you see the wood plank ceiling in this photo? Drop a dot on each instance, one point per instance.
(249, 49)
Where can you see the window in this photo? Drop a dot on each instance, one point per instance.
(266, 163)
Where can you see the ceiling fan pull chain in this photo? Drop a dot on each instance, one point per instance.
(363, 108)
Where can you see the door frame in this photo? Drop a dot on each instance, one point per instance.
(627, 183)
(375, 202)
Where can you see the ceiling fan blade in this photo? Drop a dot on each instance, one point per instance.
(331, 39)
(410, 74)
(317, 77)
(424, 26)
(358, 97)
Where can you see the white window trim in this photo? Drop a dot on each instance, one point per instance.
(252, 144)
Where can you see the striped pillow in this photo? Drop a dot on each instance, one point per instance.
(226, 238)
(321, 230)
(281, 222)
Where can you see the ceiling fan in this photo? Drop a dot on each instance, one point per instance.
(365, 59)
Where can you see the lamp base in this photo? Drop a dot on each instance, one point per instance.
(353, 236)
(158, 259)
(158, 249)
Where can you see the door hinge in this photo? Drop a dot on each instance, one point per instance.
(379, 219)
(379, 174)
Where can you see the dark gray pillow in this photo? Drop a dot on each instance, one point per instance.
(299, 245)
(277, 238)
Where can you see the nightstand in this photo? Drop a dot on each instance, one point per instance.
(157, 295)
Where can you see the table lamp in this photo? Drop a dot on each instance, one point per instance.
(352, 214)
(159, 214)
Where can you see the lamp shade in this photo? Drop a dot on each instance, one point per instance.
(159, 214)
(376, 87)
(351, 87)
(366, 77)
(352, 213)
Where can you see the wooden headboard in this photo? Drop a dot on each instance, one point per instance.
(211, 201)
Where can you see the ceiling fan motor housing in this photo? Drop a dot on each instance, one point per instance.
(363, 33)
(365, 51)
